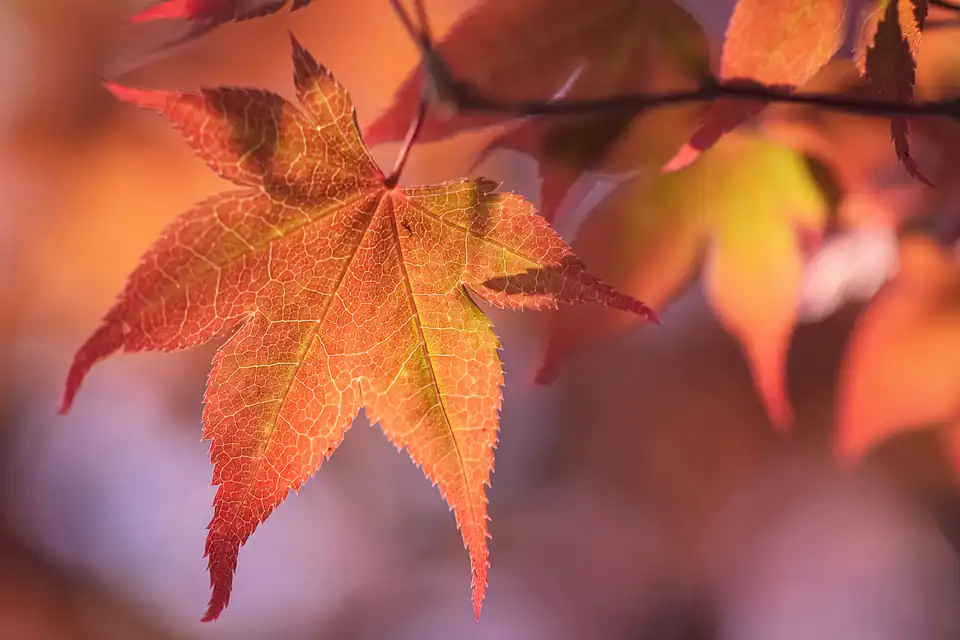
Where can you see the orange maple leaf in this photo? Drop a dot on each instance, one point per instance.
(901, 369)
(344, 294)
(778, 43)
(885, 54)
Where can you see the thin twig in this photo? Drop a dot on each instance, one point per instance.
(439, 82)
(472, 101)
(422, 37)
(412, 134)
(415, 34)
(426, 33)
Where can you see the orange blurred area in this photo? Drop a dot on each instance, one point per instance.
(644, 494)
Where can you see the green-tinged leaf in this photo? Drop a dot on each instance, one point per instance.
(744, 203)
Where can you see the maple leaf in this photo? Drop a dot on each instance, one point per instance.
(901, 369)
(567, 148)
(665, 50)
(885, 54)
(742, 208)
(207, 14)
(527, 49)
(777, 43)
(563, 149)
(344, 294)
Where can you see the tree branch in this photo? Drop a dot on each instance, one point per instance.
(466, 98)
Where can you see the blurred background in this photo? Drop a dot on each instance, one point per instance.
(643, 495)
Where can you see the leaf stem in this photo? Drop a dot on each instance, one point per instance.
(412, 134)
(425, 32)
(422, 37)
(415, 34)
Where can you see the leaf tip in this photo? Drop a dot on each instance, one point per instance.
(305, 66)
(64, 407)
(170, 9)
(107, 339)
(148, 98)
(298, 49)
(682, 159)
(118, 90)
(74, 378)
(781, 414)
(214, 609)
(899, 134)
(222, 564)
(641, 309)
(479, 593)
(910, 164)
(768, 368)
(849, 447)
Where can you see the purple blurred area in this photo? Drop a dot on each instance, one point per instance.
(643, 496)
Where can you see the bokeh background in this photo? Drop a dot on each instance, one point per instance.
(643, 495)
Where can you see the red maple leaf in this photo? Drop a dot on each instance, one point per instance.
(215, 11)
(343, 293)
(886, 55)
(204, 15)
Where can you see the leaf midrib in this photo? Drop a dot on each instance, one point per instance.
(308, 344)
(427, 357)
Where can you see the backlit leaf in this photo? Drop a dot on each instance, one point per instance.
(660, 58)
(886, 54)
(340, 293)
(744, 204)
(901, 370)
(778, 43)
(528, 49)
(567, 148)
(207, 14)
